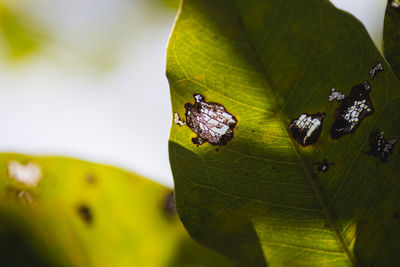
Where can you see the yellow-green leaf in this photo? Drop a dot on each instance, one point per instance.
(84, 214)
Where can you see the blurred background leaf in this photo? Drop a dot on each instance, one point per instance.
(19, 35)
(85, 214)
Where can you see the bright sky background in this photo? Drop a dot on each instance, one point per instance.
(97, 91)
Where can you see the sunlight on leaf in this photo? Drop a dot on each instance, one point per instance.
(304, 181)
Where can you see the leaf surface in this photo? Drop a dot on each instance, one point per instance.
(261, 199)
(85, 214)
(391, 35)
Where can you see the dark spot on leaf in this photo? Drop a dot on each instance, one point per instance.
(210, 121)
(217, 150)
(324, 165)
(378, 67)
(85, 213)
(379, 147)
(197, 141)
(314, 175)
(90, 179)
(353, 109)
(396, 215)
(306, 129)
(169, 204)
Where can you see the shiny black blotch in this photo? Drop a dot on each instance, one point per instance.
(353, 109)
(307, 128)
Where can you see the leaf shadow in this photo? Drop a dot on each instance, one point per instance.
(212, 218)
(378, 233)
(20, 247)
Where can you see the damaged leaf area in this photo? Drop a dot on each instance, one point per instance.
(324, 166)
(307, 128)
(28, 174)
(262, 200)
(336, 95)
(353, 109)
(210, 121)
(375, 70)
(379, 146)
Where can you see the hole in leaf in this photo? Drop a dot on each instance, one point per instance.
(336, 95)
(377, 68)
(306, 129)
(379, 147)
(210, 121)
(353, 109)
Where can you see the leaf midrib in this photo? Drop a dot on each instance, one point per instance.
(317, 191)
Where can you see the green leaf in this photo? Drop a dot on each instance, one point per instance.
(391, 35)
(85, 214)
(260, 198)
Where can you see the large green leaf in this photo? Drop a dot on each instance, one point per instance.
(260, 198)
(391, 35)
(85, 214)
